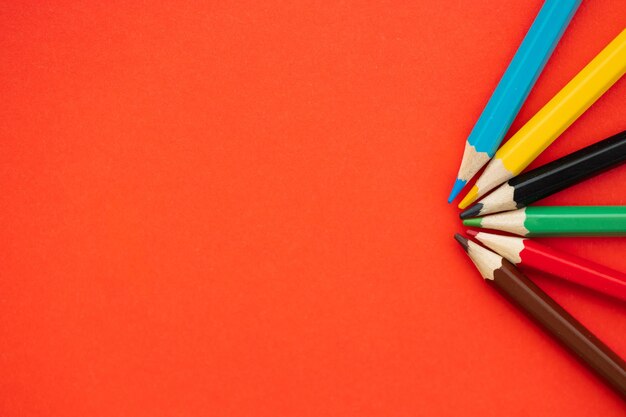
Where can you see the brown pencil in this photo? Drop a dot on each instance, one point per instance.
(522, 292)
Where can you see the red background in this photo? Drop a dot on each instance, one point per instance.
(239, 210)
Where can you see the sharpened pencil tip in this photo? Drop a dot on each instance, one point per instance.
(469, 198)
(456, 189)
(471, 232)
(462, 241)
(473, 211)
(474, 222)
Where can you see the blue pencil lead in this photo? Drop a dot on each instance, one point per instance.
(456, 189)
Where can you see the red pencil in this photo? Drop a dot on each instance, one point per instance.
(529, 253)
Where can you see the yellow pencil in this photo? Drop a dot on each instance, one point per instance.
(552, 120)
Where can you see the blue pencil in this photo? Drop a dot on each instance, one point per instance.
(513, 88)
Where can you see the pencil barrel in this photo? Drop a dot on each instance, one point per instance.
(561, 325)
(574, 269)
(576, 221)
(569, 170)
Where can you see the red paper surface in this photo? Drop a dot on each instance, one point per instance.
(240, 210)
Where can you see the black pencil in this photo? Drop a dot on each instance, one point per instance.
(555, 176)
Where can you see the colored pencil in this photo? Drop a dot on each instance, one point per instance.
(555, 176)
(557, 221)
(532, 300)
(552, 120)
(514, 87)
(529, 253)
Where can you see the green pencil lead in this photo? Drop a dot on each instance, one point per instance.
(475, 222)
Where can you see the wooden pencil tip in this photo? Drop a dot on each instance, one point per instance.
(462, 241)
(472, 232)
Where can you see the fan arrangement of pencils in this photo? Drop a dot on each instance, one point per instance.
(502, 197)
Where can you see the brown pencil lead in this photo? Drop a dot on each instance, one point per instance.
(462, 241)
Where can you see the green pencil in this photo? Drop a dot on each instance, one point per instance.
(557, 221)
